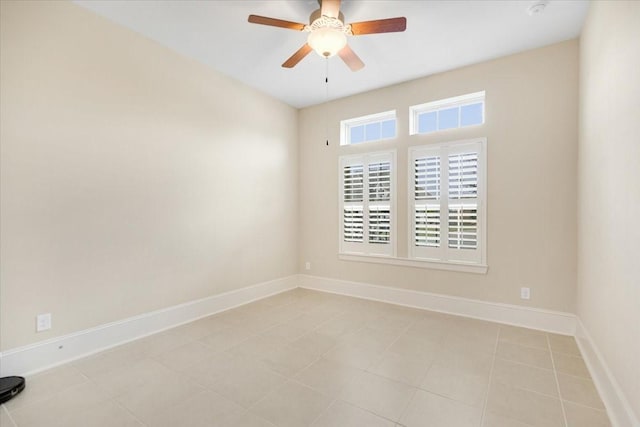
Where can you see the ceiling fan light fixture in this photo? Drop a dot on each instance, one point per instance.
(327, 41)
(328, 33)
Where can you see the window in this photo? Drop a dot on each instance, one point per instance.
(374, 127)
(446, 202)
(367, 204)
(450, 113)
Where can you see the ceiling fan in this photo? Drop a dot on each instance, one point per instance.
(328, 33)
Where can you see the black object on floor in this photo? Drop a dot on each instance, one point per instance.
(9, 387)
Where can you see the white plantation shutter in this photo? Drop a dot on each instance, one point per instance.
(353, 198)
(426, 206)
(425, 197)
(379, 180)
(367, 204)
(446, 199)
(463, 204)
(463, 195)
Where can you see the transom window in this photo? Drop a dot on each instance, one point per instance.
(450, 113)
(374, 127)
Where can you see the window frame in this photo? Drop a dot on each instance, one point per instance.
(442, 104)
(441, 255)
(366, 248)
(347, 124)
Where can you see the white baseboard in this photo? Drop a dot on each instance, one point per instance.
(534, 318)
(36, 357)
(618, 408)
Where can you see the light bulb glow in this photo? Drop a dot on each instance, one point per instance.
(327, 41)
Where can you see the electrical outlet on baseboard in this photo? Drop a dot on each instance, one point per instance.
(307, 265)
(43, 322)
(525, 293)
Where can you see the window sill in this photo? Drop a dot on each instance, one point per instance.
(405, 262)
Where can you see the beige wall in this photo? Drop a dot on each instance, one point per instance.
(132, 178)
(609, 188)
(531, 127)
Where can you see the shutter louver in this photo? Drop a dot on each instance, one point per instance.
(427, 178)
(380, 224)
(463, 226)
(463, 176)
(353, 183)
(427, 225)
(353, 224)
(380, 182)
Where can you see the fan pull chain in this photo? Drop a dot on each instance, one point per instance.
(326, 102)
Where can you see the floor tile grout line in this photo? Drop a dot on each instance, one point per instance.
(323, 411)
(528, 347)
(582, 405)
(406, 328)
(368, 371)
(294, 380)
(555, 374)
(517, 362)
(118, 404)
(6, 411)
(293, 376)
(533, 391)
(41, 399)
(493, 364)
(369, 411)
(286, 377)
(415, 391)
(64, 366)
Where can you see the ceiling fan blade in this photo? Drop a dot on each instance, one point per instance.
(391, 25)
(330, 8)
(263, 20)
(297, 57)
(350, 58)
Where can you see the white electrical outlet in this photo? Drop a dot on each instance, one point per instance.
(525, 293)
(307, 265)
(43, 322)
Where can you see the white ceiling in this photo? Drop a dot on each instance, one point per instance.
(440, 36)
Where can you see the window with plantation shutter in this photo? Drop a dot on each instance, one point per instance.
(447, 191)
(367, 204)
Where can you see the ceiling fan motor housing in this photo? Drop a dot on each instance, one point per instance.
(317, 14)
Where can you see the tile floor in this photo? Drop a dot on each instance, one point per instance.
(305, 358)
